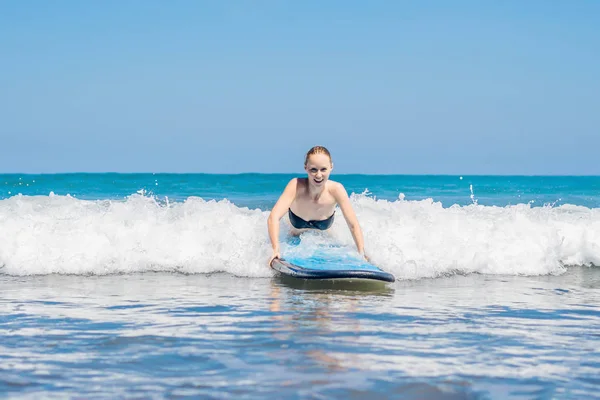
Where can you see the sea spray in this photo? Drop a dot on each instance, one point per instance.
(411, 239)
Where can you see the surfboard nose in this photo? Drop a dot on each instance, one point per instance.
(305, 272)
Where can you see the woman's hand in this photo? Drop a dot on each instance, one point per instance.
(274, 256)
(364, 257)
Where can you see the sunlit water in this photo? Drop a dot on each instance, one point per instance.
(158, 335)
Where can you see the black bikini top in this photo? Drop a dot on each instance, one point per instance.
(299, 223)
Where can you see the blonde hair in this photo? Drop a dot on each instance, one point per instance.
(317, 150)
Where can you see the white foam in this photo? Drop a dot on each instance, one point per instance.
(415, 239)
(61, 234)
(411, 239)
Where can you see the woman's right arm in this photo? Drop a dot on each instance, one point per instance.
(283, 204)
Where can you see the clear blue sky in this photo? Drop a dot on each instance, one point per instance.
(419, 87)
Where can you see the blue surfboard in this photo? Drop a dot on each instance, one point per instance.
(328, 265)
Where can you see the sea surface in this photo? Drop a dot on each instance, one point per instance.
(157, 286)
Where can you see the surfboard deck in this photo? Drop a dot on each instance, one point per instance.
(318, 269)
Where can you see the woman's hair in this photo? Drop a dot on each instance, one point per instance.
(317, 150)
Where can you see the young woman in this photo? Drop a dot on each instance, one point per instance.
(310, 202)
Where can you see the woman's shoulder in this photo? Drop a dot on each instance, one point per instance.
(296, 181)
(297, 184)
(334, 186)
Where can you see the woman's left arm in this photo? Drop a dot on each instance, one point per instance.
(341, 196)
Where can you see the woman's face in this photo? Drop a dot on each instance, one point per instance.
(318, 168)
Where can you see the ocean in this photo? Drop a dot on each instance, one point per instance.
(157, 286)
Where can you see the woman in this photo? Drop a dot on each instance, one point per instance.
(310, 202)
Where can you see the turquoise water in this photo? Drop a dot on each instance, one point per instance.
(261, 190)
(156, 286)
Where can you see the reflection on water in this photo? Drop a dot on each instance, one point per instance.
(169, 335)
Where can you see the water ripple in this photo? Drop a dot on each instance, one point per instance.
(219, 336)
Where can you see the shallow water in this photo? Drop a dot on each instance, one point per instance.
(162, 335)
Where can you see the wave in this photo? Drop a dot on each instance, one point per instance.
(411, 239)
